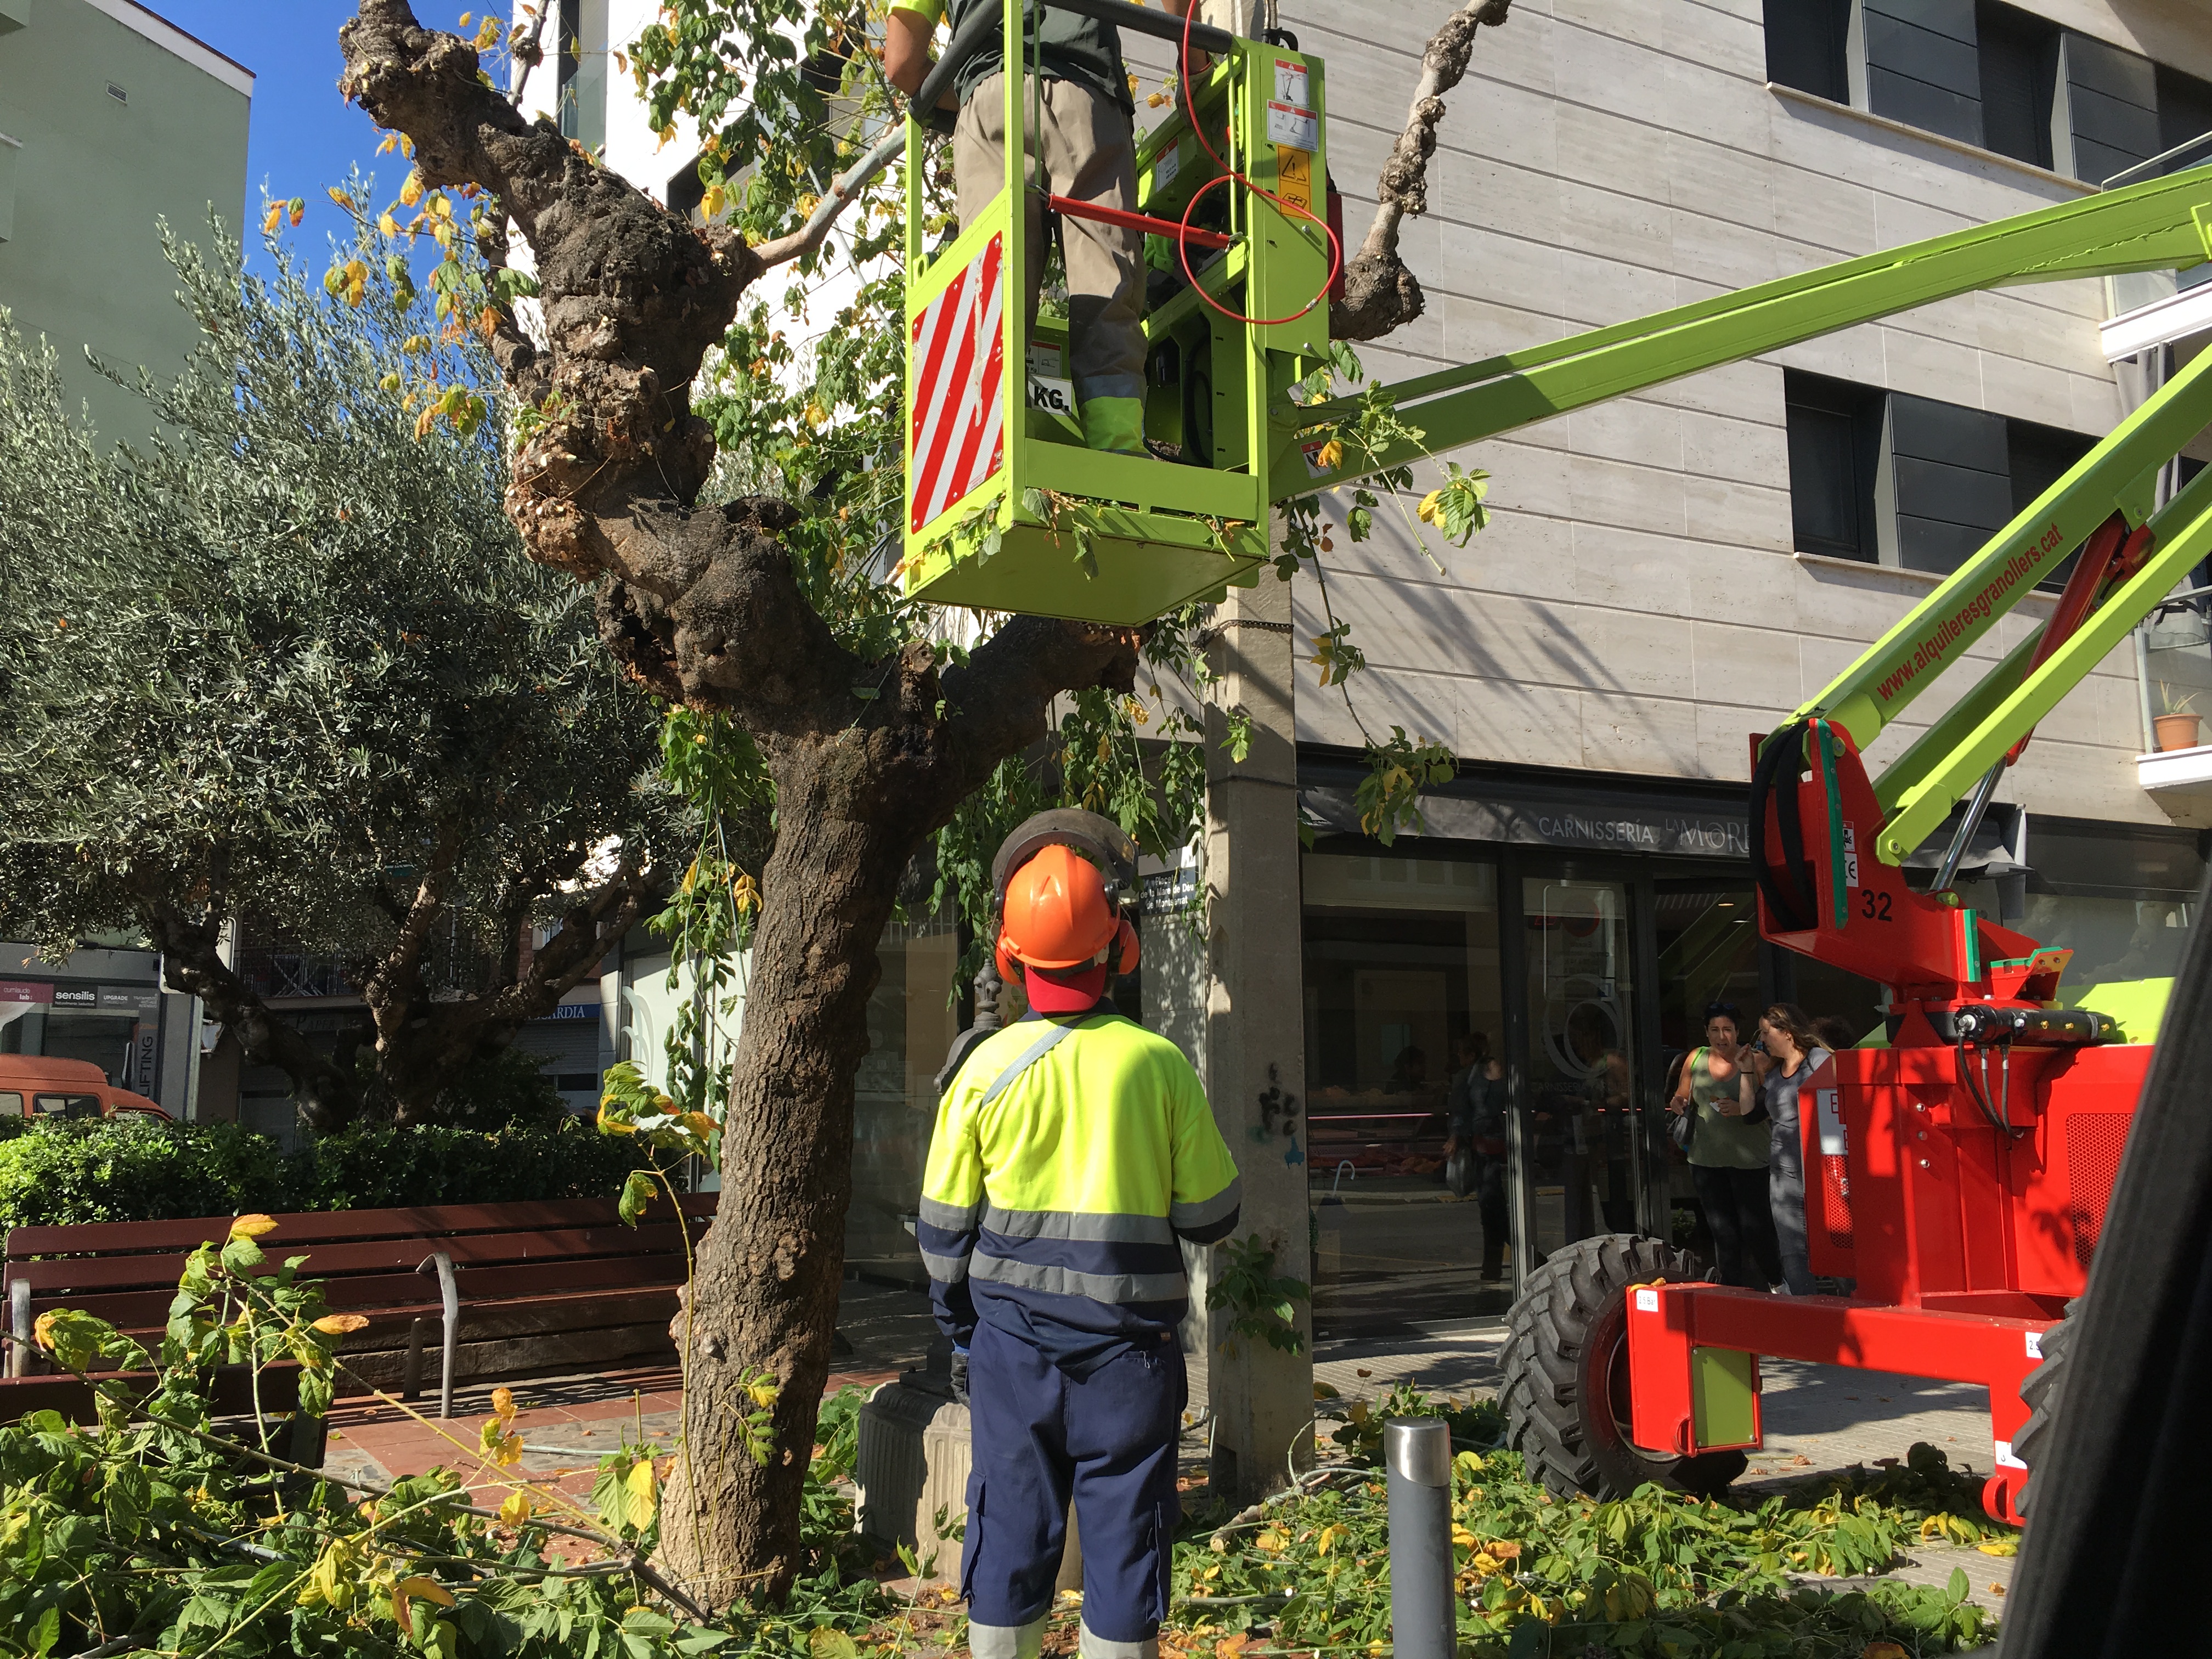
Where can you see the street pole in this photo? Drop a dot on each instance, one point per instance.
(1261, 1397)
(1416, 1453)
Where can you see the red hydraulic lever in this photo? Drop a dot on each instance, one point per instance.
(2109, 557)
(1072, 209)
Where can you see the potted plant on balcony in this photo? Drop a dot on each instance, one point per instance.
(2177, 727)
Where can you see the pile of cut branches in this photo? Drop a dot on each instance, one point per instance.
(1657, 1573)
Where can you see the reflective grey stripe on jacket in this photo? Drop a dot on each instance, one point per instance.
(1114, 1288)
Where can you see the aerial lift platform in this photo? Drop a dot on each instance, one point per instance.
(1960, 1174)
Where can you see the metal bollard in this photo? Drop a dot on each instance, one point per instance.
(1416, 1452)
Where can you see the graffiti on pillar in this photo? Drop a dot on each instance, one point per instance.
(1279, 1118)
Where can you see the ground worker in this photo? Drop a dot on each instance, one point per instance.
(1084, 147)
(1073, 1149)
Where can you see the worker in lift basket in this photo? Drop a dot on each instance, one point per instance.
(1072, 1152)
(1082, 145)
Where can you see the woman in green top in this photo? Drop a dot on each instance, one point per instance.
(1729, 1156)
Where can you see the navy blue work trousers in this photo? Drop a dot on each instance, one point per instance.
(1110, 1440)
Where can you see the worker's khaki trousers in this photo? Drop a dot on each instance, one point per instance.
(1083, 146)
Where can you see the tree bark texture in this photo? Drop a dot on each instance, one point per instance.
(1380, 293)
(702, 604)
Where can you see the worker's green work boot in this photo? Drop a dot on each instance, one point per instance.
(1115, 423)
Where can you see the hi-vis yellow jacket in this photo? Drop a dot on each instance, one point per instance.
(1070, 1155)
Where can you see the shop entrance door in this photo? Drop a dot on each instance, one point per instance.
(1580, 1156)
(1708, 953)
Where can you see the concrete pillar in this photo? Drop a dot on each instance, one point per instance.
(1261, 1397)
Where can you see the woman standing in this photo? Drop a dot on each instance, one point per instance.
(1477, 1105)
(1727, 1154)
(1781, 1059)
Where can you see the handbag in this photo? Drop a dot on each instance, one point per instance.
(1459, 1170)
(1683, 1127)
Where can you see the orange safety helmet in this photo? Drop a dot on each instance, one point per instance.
(1056, 915)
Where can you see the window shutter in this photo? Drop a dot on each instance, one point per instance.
(2104, 116)
(1920, 64)
(1949, 477)
(1805, 46)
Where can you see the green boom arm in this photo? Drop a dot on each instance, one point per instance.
(2156, 226)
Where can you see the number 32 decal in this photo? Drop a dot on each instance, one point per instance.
(1874, 905)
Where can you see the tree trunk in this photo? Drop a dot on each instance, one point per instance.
(768, 1271)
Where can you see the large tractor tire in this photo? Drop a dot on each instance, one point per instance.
(1566, 1389)
(2040, 1389)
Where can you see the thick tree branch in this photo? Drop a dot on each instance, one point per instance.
(1380, 293)
(191, 962)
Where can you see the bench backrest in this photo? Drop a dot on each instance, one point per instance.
(126, 1271)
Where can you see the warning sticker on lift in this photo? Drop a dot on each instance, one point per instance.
(1311, 449)
(1834, 1138)
(1294, 176)
(1647, 1301)
(1293, 124)
(1851, 856)
(1165, 166)
(2005, 1459)
(1048, 389)
(1289, 82)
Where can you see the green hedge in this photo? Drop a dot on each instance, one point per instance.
(137, 1170)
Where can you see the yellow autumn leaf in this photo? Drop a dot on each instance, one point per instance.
(638, 1497)
(745, 894)
(608, 1125)
(463, 23)
(387, 224)
(714, 201)
(339, 1324)
(411, 191)
(1272, 1540)
(1332, 455)
(42, 1332)
(517, 1510)
(763, 1391)
(1462, 1539)
(391, 142)
(1329, 1537)
(272, 219)
(1156, 100)
(1431, 510)
(442, 205)
(340, 196)
(253, 1226)
(698, 1123)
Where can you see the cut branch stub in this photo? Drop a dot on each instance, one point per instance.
(1379, 293)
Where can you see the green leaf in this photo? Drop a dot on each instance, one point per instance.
(637, 1191)
(644, 1621)
(825, 1643)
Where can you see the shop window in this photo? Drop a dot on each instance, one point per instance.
(1805, 42)
(1581, 1152)
(1834, 438)
(1404, 1006)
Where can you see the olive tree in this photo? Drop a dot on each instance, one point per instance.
(286, 661)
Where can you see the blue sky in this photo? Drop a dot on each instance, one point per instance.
(304, 138)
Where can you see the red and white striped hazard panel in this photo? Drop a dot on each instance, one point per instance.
(958, 353)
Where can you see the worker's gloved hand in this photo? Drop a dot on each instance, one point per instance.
(960, 1375)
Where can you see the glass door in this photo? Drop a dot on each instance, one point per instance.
(1578, 1148)
(1404, 1019)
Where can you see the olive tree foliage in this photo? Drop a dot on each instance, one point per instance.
(286, 660)
(652, 375)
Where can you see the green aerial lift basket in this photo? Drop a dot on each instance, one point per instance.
(1006, 508)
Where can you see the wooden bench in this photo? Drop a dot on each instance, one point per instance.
(512, 1288)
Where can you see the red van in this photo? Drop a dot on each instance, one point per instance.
(33, 1086)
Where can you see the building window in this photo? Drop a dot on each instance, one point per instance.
(2105, 115)
(1834, 434)
(1920, 64)
(1805, 46)
(2018, 56)
(580, 80)
(1949, 480)
(2039, 456)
